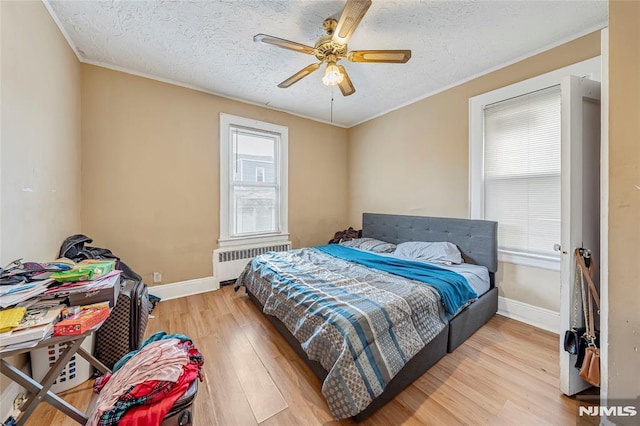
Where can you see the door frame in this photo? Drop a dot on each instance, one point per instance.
(604, 217)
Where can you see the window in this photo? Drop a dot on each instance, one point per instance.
(515, 141)
(522, 171)
(253, 181)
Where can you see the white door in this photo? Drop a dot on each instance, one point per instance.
(580, 205)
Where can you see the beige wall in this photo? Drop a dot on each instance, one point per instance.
(150, 173)
(415, 160)
(624, 201)
(40, 136)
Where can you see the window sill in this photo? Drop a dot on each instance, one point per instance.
(550, 263)
(254, 240)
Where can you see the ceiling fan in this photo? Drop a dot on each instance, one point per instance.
(332, 47)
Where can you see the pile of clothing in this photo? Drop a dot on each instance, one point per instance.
(146, 383)
(19, 272)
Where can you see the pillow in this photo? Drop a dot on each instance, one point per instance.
(370, 244)
(434, 252)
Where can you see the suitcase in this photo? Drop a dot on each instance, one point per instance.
(123, 331)
(181, 414)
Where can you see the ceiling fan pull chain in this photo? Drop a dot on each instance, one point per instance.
(331, 104)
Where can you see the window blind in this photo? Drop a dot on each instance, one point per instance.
(522, 171)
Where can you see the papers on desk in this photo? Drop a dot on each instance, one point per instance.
(42, 301)
(103, 289)
(27, 344)
(36, 324)
(36, 317)
(66, 289)
(13, 338)
(13, 294)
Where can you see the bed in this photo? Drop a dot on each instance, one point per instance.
(407, 326)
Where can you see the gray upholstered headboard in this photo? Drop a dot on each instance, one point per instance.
(476, 239)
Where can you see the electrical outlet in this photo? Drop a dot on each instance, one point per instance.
(157, 277)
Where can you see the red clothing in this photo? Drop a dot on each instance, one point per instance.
(148, 402)
(154, 413)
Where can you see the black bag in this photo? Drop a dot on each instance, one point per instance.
(572, 339)
(74, 248)
(123, 331)
(576, 342)
(181, 414)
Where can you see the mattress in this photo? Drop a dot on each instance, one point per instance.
(477, 276)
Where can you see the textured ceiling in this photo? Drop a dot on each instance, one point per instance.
(209, 45)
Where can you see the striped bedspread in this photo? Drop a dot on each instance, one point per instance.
(362, 324)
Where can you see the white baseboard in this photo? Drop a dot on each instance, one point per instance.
(184, 288)
(9, 395)
(533, 315)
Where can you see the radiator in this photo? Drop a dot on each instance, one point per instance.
(228, 262)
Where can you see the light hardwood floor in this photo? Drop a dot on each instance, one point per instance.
(505, 374)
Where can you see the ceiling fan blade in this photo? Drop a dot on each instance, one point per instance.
(286, 44)
(352, 14)
(346, 86)
(299, 75)
(388, 56)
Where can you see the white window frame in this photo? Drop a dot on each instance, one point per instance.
(227, 121)
(589, 68)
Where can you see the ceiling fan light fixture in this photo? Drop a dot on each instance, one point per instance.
(332, 75)
(332, 47)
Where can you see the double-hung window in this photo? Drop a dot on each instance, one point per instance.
(515, 145)
(522, 172)
(253, 180)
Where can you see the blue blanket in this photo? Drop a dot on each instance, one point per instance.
(453, 288)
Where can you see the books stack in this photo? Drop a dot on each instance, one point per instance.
(102, 289)
(11, 295)
(36, 324)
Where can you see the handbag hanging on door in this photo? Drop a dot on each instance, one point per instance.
(579, 335)
(590, 370)
(574, 337)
